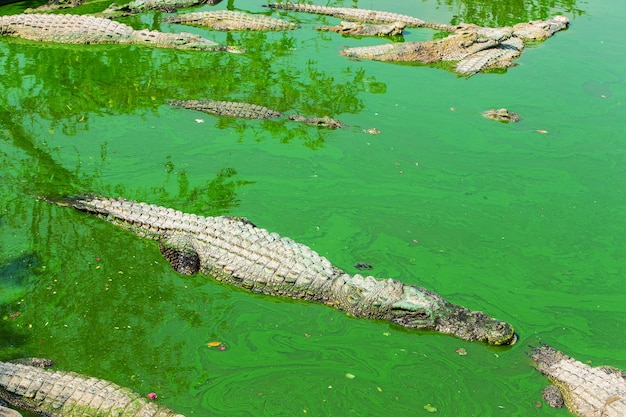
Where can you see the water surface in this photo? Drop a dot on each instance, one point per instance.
(523, 221)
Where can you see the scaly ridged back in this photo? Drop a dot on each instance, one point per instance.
(361, 15)
(504, 53)
(230, 249)
(231, 20)
(67, 394)
(228, 108)
(65, 28)
(588, 392)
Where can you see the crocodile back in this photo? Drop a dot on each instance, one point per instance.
(228, 108)
(505, 53)
(230, 249)
(587, 391)
(232, 20)
(360, 15)
(67, 28)
(59, 393)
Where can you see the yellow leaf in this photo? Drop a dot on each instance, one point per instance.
(213, 344)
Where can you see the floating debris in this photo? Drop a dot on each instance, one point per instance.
(430, 408)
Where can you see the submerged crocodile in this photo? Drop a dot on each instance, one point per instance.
(586, 391)
(361, 15)
(232, 20)
(472, 47)
(81, 29)
(250, 111)
(25, 384)
(359, 29)
(502, 115)
(237, 252)
(140, 6)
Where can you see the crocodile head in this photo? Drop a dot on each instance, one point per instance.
(420, 308)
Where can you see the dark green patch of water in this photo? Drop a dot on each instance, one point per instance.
(523, 221)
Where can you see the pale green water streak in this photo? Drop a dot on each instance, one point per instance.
(524, 225)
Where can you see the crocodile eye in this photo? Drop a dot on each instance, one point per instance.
(421, 314)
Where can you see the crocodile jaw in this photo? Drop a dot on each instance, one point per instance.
(475, 326)
(420, 308)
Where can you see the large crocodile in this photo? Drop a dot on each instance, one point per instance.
(250, 111)
(232, 20)
(235, 251)
(80, 29)
(140, 6)
(27, 385)
(586, 391)
(473, 48)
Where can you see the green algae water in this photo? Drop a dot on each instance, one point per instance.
(523, 221)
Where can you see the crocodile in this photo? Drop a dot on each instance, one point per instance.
(585, 390)
(232, 20)
(502, 115)
(235, 251)
(358, 29)
(82, 29)
(455, 47)
(27, 385)
(362, 15)
(140, 6)
(250, 111)
(474, 48)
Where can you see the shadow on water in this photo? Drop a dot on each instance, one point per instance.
(68, 84)
(41, 174)
(14, 283)
(508, 12)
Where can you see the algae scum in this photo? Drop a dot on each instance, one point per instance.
(521, 220)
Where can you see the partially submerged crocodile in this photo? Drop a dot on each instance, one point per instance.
(474, 48)
(232, 20)
(359, 29)
(235, 251)
(27, 385)
(586, 391)
(250, 111)
(140, 6)
(361, 15)
(502, 115)
(80, 29)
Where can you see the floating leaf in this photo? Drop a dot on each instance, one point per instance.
(213, 344)
(430, 408)
(350, 376)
